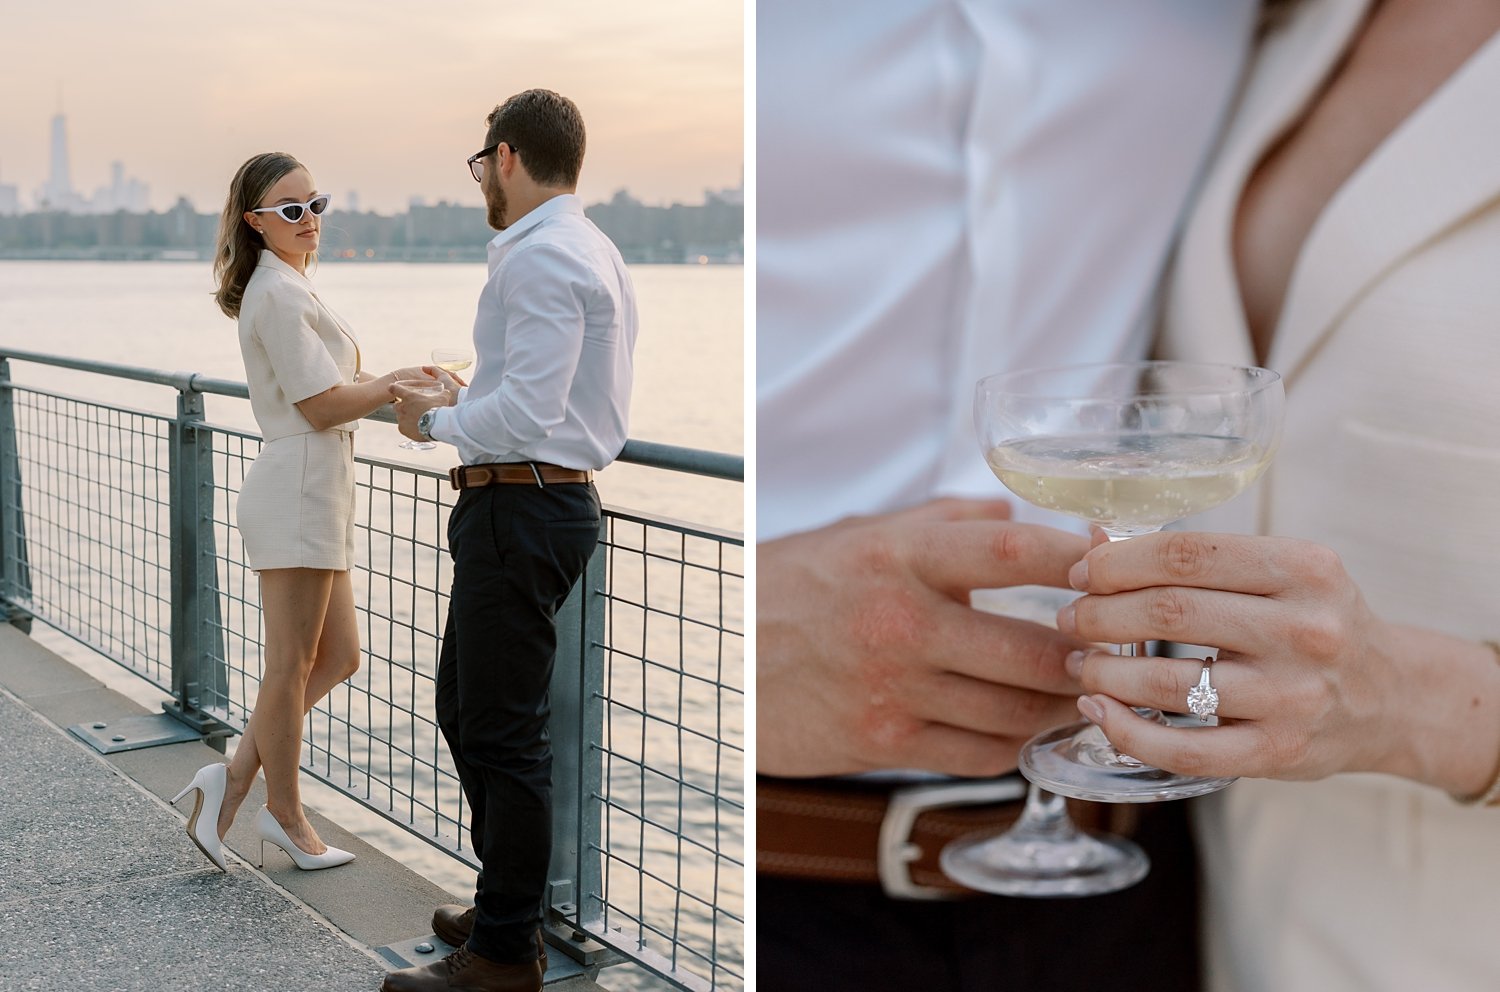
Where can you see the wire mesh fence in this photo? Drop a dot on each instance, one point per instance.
(91, 550)
(111, 519)
(672, 743)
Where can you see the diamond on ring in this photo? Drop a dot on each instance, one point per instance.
(1203, 698)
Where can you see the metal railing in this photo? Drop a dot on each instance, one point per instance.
(117, 529)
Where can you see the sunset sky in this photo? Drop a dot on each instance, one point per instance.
(382, 97)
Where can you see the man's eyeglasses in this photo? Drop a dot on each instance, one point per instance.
(292, 212)
(476, 161)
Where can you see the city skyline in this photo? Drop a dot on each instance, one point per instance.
(371, 98)
(130, 194)
(58, 192)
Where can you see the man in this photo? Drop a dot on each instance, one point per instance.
(548, 405)
(946, 189)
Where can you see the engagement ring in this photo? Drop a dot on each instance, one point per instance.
(1203, 698)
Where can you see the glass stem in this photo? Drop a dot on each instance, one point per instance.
(1138, 649)
(1045, 815)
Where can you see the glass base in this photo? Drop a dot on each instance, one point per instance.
(1078, 761)
(1024, 863)
(417, 445)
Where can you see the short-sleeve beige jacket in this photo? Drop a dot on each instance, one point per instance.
(1388, 344)
(294, 347)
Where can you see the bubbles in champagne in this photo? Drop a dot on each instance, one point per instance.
(1127, 483)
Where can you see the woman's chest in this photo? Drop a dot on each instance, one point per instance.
(1396, 62)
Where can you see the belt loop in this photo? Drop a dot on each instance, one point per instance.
(538, 473)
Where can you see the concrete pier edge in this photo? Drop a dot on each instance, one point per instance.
(367, 908)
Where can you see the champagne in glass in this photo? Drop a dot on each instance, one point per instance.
(1130, 483)
(452, 359)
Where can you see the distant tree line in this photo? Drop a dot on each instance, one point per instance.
(712, 232)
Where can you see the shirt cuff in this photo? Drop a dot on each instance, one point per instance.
(444, 425)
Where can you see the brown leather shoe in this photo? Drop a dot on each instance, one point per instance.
(454, 923)
(465, 971)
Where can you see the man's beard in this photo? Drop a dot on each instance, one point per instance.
(494, 201)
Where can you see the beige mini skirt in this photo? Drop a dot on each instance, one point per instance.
(296, 505)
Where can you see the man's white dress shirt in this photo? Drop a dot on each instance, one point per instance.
(952, 188)
(553, 338)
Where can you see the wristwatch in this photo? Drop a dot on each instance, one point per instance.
(424, 423)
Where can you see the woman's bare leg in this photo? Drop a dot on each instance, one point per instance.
(312, 644)
(337, 659)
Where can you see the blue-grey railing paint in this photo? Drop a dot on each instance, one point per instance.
(199, 667)
(651, 454)
(15, 577)
(577, 712)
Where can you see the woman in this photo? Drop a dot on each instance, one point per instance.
(1349, 237)
(296, 506)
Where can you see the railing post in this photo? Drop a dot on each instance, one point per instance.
(577, 727)
(15, 568)
(200, 673)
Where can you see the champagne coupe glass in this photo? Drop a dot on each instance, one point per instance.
(452, 359)
(427, 388)
(1130, 448)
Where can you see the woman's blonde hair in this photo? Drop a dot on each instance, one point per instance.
(238, 246)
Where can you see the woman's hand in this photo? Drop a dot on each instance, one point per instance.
(410, 372)
(1310, 682)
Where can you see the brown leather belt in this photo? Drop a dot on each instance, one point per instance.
(850, 831)
(515, 474)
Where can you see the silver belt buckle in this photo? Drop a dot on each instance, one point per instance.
(896, 852)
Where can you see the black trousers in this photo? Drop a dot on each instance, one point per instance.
(517, 552)
(831, 937)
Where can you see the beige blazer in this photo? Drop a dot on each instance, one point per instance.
(294, 346)
(1389, 342)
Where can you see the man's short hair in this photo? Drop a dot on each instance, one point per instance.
(546, 129)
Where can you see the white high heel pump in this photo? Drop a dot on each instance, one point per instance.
(203, 826)
(271, 832)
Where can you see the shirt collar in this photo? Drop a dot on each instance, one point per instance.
(272, 260)
(563, 203)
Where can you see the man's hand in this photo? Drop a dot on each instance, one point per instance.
(869, 656)
(450, 382)
(410, 405)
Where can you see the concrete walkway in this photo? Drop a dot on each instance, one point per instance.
(101, 890)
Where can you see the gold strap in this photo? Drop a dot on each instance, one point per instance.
(1491, 795)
